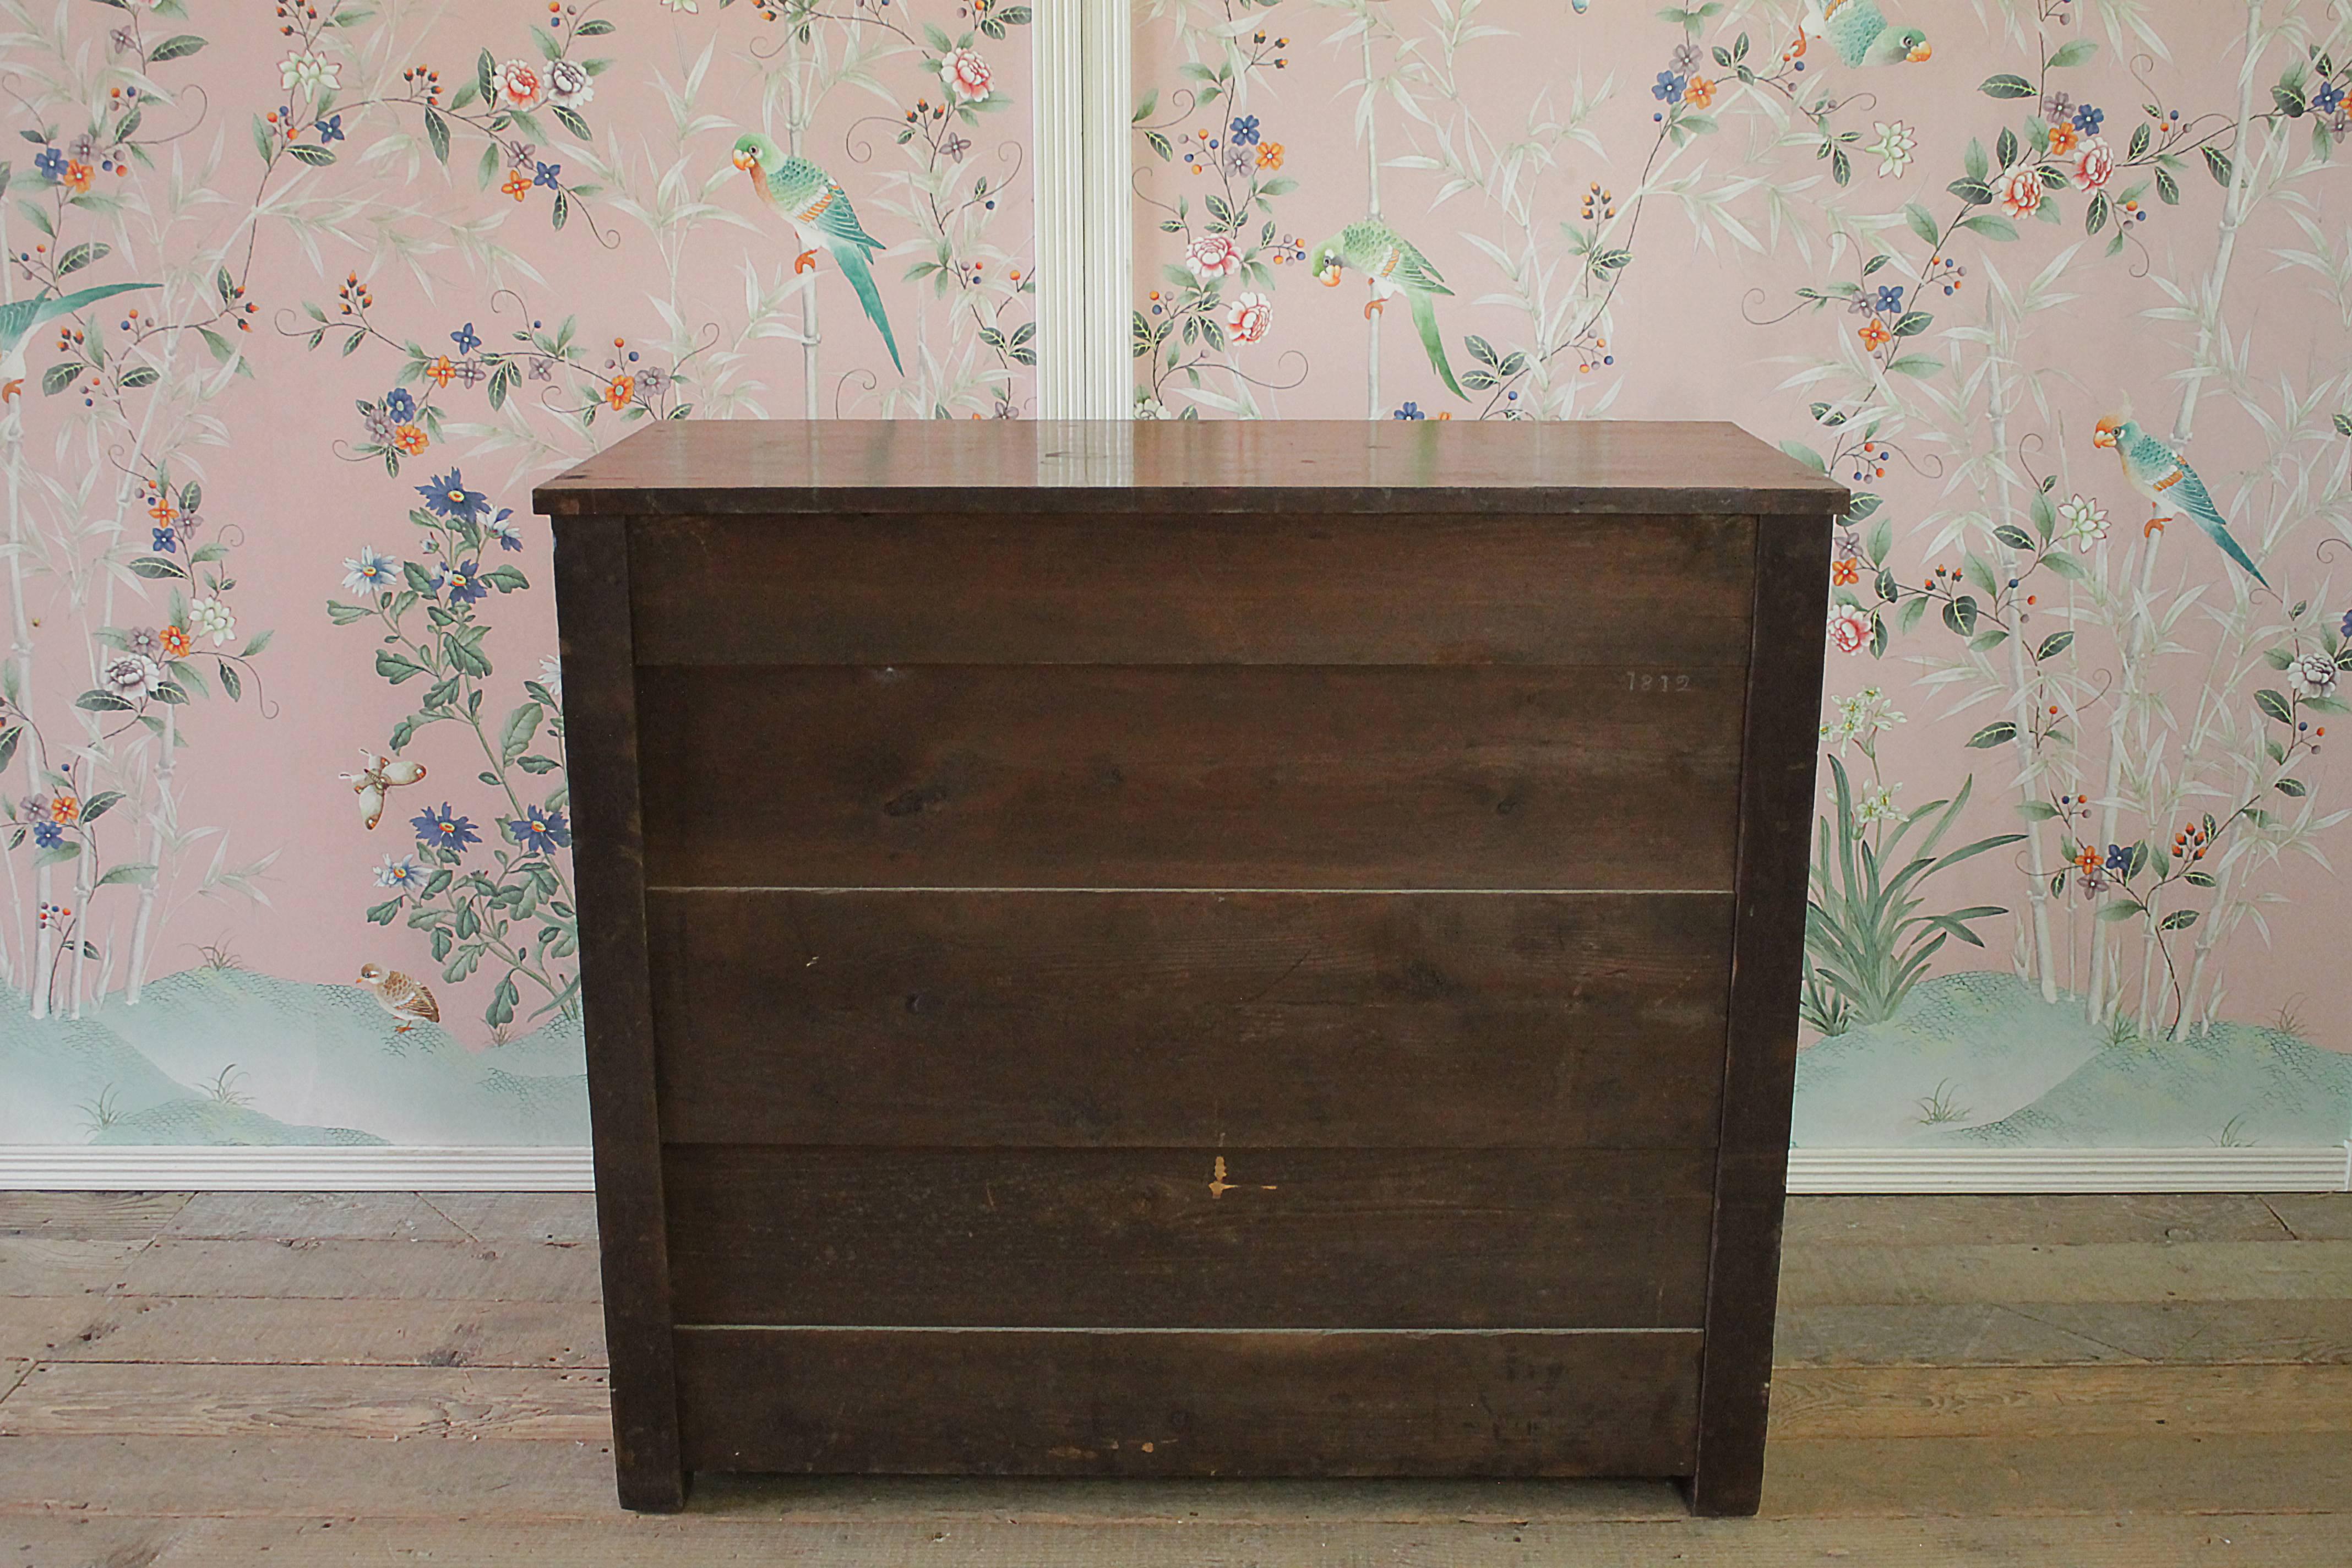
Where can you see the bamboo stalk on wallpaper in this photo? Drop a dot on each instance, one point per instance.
(2104, 993)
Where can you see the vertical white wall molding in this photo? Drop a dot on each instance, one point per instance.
(1085, 235)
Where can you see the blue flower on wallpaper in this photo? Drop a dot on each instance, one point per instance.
(330, 129)
(2329, 99)
(444, 829)
(167, 542)
(541, 832)
(47, 834)
(400, 405)
(1890, 299)
(464, 582)
(467, 339)
(502, 528)
(547, 174)
(1245, 131)
(2088, 120)
(51, 164)
(1669, 87)
(2119, 858)
(1410, 411)
(447, 497)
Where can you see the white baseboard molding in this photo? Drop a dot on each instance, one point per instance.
(305, 1168)
(2323, 1169)
(561, 1170)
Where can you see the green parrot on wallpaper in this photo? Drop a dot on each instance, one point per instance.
(19, 318)
(1858, 30)
(2156, 472)
(819, 211)
(1394, 266)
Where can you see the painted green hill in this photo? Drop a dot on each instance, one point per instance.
(1979, 1061)
(222, 1056)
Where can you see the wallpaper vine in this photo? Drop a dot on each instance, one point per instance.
(302, 298)
(2073, 880)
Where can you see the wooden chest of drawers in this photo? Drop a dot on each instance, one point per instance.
(1188, 948)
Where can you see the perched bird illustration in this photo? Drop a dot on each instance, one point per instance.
(373, 781)
(2156, 472)
(1858, 30)
(397, 994)
(1393, 266)
(20, 318)
(820, 213)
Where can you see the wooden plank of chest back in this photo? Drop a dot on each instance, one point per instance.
(600, 717)
(1776, 813)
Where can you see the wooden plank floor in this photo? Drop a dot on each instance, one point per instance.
(2151, 1382)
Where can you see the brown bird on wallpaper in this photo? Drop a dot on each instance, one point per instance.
(397, 994)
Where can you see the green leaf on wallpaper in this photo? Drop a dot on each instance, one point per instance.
(58, 377)
(83, 255)
(2197, 879)
(2344, 424)
(396, 667)
(96, 701)
(1806, 456)
(56, 855)
(2044, 516)
(2168, 187)
(595, 27)
(318, 157)
(231, 682)
(174, 48)
(2053, 644)
(1976, 192)
(570, 120)
(2073, 53)
(2036, 810)
(2289, 100)
(2008, 85)
(1991, 226)
(486, 77)
(263, 142)
(1993, 735)
(1960, 615)
(2217, 163)
(2179, 919)
(2016, 538)
(2123, 910)
(1979, 573)
(1979, 167)
(485, 171)
(155, 566)
(1911, 323)
(2293, 787)
(136, 873)
(2066, 566)
(1985, 642)
(1159, 144)
(563, 210)
(436, 132)
(2005, 149)
(384, 913)
(2094, 216)
(2275, 705)
(1922, 224)
(515, 735)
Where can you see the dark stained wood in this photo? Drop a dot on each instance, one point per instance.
(1397, 1020)
(1188, 777)
(592, 573)
(1776, 811)
(1103, 1402)
(1640, 593)
(1291, 1238)
(775, 467)
(1088, 923)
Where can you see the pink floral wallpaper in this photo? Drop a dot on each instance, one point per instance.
(302, 298)
(2075, 878)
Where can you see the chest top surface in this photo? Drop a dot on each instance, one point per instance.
(1113, 466)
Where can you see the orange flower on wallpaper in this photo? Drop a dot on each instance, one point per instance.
(619, 392)
(1269, 155)
(517, 185)
(1875, 334)
(410, 438)
(2062, 138)
(440, 371)
(1698, 92)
